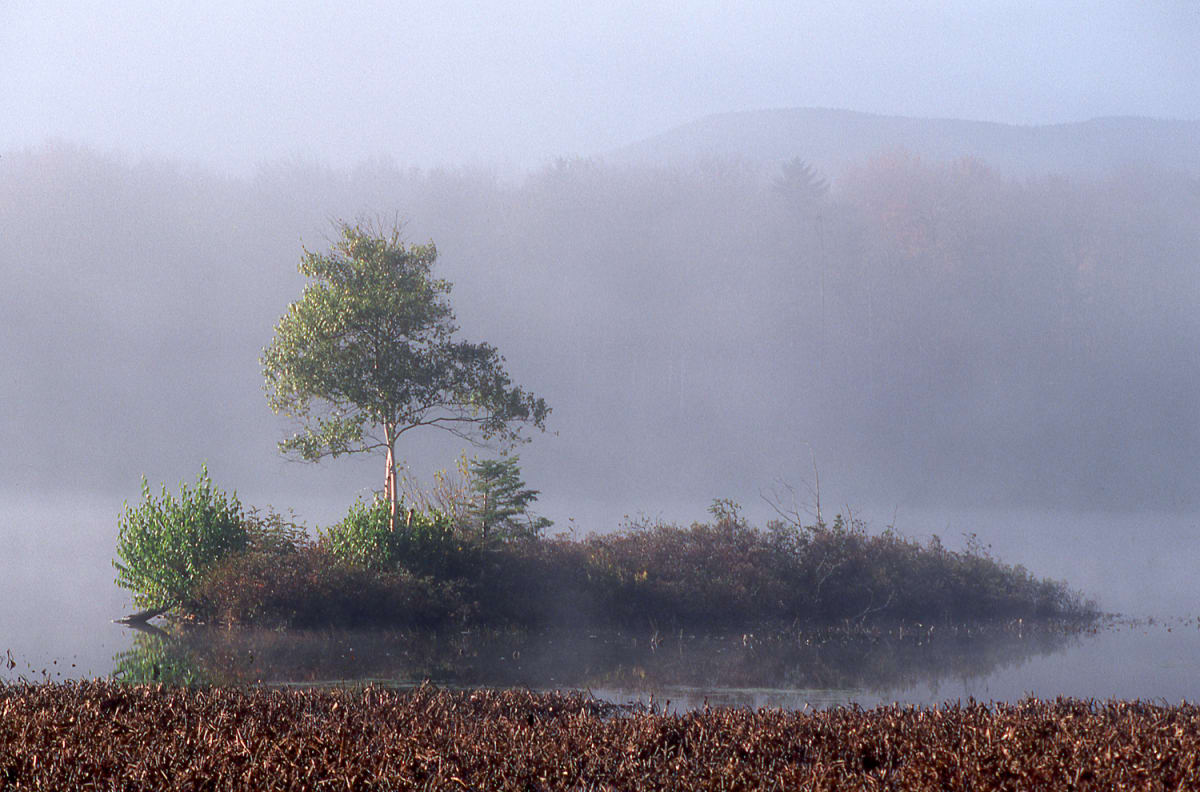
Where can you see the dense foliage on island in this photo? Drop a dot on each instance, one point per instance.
(439, 568)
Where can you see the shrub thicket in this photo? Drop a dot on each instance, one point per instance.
(358, 573)
(308, 588)
(719, 573)
(726, 571)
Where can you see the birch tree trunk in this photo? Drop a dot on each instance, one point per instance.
(389, 484)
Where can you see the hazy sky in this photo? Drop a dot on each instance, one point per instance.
(519, 83)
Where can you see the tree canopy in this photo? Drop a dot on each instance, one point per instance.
(368, 353)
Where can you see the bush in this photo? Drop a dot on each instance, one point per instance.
(425, 543)
(165, 545)
(306, 587)
(716, 573)
(272, 532)
(362, 538)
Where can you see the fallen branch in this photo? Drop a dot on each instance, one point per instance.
(141, 617)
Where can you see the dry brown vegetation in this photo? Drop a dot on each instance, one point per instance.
(724, 573)
(104, 735)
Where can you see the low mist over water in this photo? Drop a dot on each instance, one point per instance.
(56, 574)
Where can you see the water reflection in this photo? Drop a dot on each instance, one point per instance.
(790, 668)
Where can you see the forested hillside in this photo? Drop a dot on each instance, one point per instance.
(930, 330)
(837, 139)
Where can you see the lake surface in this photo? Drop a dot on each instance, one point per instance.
(57, 600)
(793, 669)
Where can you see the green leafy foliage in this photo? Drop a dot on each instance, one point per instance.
(425, 543)
(165, 544)
(369, 353)
(362, 538)
(270, 531)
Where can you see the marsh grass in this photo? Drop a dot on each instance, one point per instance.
(104, 735)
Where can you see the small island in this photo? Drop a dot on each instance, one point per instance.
(369, 353)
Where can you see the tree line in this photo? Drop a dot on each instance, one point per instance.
(932, 329)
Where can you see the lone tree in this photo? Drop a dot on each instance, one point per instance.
(367, 354)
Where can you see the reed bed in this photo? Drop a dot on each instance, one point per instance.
(104, 735)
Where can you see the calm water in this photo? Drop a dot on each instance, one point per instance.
(57, 601)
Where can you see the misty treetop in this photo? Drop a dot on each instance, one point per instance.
(368, 353)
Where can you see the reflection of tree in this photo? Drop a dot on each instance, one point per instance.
(873, 659)
(155, 657)
(836, 659)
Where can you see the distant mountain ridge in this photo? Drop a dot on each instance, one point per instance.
(833, 139)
